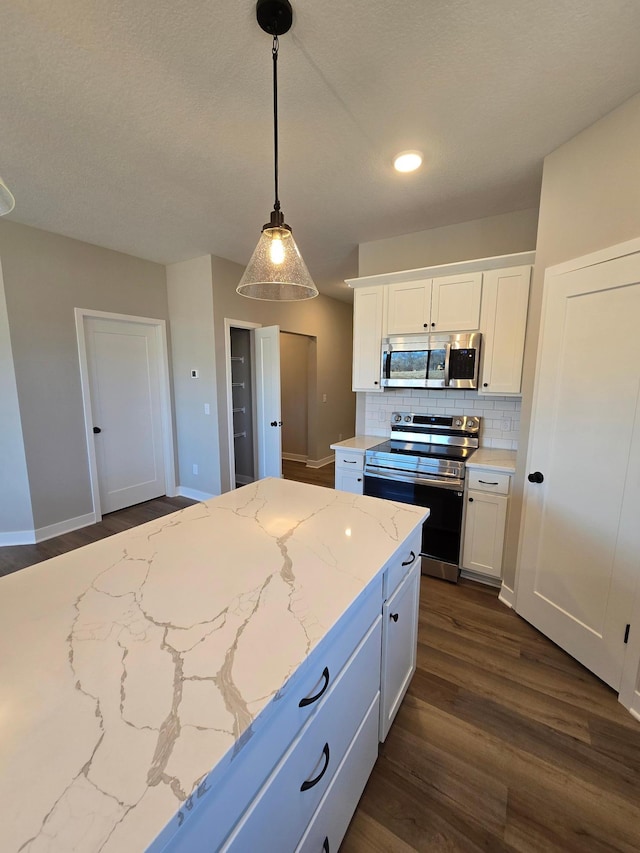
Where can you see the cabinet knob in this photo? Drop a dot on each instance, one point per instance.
(359, 479)
(485, 384)
(470, 500)
(375, 381)
(393, 616)
(536, 477)
(433, 324)
(425, 325)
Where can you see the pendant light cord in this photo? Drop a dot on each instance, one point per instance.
(274, 51)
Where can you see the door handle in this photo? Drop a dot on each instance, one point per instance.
(536, 477)
(276, 423)
(96, 430)
(393, 616)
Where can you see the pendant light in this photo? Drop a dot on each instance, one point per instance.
(276, 271)
(7, 201)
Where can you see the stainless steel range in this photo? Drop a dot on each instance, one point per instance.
(423, 463)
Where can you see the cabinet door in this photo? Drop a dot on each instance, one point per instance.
(505, 300)
(367, 338)
(349, 481)
(409, 307)
(455, 303)
(484, 533)
(399, 646)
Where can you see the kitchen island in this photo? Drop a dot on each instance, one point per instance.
(139, 671)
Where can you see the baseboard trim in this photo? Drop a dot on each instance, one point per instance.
(41, 534)
(295, 457)
(635, 712)
(18, 537)
(507, 596)
(320, 463)
(193, 494)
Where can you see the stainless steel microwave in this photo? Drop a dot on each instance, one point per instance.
(431, 361)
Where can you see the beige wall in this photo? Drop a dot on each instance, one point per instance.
(328, 320)
(15, 495)
(190, 300)
(590, 199)
(46, 276)
(478, 238)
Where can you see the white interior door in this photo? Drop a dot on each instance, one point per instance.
(124, 381)
(268, 406)
(580, 554)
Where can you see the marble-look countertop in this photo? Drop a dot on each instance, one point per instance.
(494, 459)
(131, 667)
(359, 442)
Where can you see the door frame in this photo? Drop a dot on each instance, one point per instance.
(228, 325)
(160, 328)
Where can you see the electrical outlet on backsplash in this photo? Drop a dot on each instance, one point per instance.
(500, 415)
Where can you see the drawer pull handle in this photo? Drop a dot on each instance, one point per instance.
(311, 782)
(393, 616)
(311, 699)
(487, 483)
(325, 845)
(350, 461)
(410, 560)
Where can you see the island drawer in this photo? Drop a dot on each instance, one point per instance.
(238, 778)
(334, 813)
(401, 563)
(278, 816)
(489, 481)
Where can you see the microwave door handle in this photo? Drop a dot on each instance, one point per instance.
(447, 356)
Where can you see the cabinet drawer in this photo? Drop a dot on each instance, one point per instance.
(330, 822)
(350, 459)
(239, 777)
(278, 816)
(489, 481)
(401, 563)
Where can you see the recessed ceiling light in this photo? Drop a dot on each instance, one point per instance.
(407, 161)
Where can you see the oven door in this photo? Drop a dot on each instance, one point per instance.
(442, 531)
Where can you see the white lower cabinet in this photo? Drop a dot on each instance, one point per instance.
(350, 471)
(487, 504)
(399, 645)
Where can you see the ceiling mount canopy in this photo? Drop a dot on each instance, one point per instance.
(276, 271)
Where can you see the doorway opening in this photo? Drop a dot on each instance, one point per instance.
(242, 407)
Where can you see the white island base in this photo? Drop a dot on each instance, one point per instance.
(216, 679)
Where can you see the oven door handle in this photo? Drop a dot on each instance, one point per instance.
(453, 483)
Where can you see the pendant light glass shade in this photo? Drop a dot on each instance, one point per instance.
(7, 201)
(276, 270)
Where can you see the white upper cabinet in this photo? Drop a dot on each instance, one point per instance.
(455, 303)
(368, 305)
(409, 307)
(445, 304)
(505, 300)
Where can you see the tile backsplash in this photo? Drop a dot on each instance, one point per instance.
(500, 426)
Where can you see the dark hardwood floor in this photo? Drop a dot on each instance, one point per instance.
(502, 743)
(324, 476)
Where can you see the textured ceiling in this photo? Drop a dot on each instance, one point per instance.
(146, 126)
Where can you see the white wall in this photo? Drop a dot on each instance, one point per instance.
(190, 299)
(15, 496)
(590, 199)
(477, 238)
